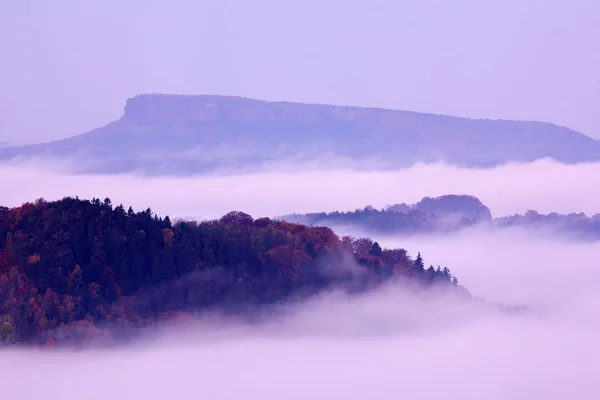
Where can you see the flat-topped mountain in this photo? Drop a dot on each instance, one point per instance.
(180, 134)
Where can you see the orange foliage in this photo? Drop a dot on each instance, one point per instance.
(81, 288)
(288, 259)
(168, 236)
(32, 259)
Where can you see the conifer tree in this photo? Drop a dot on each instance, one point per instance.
(418, 264)
(376, 250)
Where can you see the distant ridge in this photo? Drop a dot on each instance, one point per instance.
(184, 134)
(450, 213)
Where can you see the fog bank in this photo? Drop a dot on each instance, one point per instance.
(387, 345)
(544, 185)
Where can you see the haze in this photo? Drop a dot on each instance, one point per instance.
(68, 66)
(280, 189)
(381, 346)
(385, 346)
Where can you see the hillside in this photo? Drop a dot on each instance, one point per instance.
(440, 214)
(177, 134)
(74, 271)
(450, 213)
(574, 225)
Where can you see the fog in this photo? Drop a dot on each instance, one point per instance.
(545, 186)
(385, 345)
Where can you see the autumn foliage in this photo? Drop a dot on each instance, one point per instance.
(75, 270)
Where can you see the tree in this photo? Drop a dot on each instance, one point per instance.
(348, 243)
(430, 274)
(418, 264)
(8, 332)
(237, 218)
(362, 246)
(76, 285)
(98, 259)
(376, 250)
(446, 274)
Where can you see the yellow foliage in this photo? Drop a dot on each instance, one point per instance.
(168, 236)
(35, 258)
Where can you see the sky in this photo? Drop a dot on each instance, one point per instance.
(68, 66)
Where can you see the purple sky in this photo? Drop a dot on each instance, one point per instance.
(68, 66)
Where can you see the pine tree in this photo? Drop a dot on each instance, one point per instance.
(418, 264)
(446, 273)
(376, 250)
(430, 274)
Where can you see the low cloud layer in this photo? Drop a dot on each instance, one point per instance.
(385, 346)
(544, 185)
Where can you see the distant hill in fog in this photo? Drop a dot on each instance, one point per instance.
(450, 213)
(576, 225)
(440, 214)
(177, 134)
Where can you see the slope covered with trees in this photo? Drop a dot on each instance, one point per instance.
(76, 270)
(451, 213)
(574, 225)
(439, 214)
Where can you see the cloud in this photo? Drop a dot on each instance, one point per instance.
(387, 345)
(281, 189)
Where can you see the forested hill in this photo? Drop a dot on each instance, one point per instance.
(447, 214)
(76, 270)
(439, 214)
